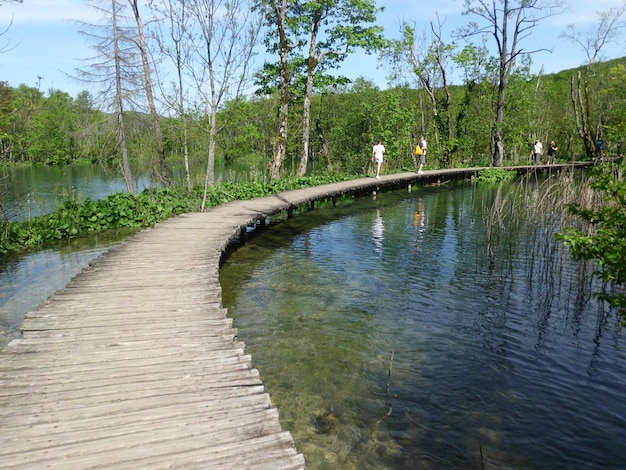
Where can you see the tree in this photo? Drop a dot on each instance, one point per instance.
(119, 102)
(143, 49)
(429, 66)
(344, 31)
(509, 22)
(589, 119)
(277, 17)
(51, 137)
(113, 69)
(174, 44)
(476, 104)
(227, 35)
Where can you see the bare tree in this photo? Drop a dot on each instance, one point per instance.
(174, 44)
(427, 57)
(227, 34)
(149, 93)
(592, 41)
(110, 69)
(278, 19)
(509, 22)
(7, 46)
(121, 129)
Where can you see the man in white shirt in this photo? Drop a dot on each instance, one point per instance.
(377, 156)
(538, 152)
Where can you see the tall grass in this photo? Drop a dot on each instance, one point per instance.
(531, 212)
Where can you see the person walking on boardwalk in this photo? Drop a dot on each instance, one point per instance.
(600, 148)
(537, 151)
(421, 151)
(377, 156)
(552, 153)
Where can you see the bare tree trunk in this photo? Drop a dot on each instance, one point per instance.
(444, 79)
(320, 134)
(150, 96)
(225, 46)
(306, 112)
(580, 101)
(306, 125)
(177, 12)
(280, 148)
(121, 131)
(498, 148)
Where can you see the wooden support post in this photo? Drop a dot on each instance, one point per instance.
(334, 198)
(312, 205)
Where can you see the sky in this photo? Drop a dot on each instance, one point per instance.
(43, 48)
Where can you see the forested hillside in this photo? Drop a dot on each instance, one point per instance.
(54, 128)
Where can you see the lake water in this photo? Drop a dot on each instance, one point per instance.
(407, 332)
(29, 191)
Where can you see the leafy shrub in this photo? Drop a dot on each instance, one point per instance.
(135, 211)
(603, 239)
(495, 175)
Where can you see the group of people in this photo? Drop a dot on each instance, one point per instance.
(537, 152)
(379, 151)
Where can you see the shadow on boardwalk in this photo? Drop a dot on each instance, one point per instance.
(135, 363)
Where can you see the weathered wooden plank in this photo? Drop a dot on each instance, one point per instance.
(25, 387)
(75, 433)
(40, 323)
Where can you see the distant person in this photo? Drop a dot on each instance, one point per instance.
(600, 148)
(619, 148)
(552, 153)
(537, 151)
(377, 156)
(422, 146)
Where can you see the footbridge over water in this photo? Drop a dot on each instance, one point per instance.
(135, 364)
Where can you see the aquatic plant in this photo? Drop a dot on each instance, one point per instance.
(127, 211)
(495, 175)
(602, 236)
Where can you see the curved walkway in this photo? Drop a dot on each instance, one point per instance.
(135, 363)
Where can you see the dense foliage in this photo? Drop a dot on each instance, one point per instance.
(121, 211)
(495, 175)
(58, 129)
(603, 237)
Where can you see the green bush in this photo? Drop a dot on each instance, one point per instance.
(603, 239)
(135, 211)
(495, 175)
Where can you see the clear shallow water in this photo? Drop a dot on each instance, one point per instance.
(28, 280)
(29, 191)
(502, 361)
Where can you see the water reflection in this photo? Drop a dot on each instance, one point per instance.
(28, 280)
(378, 232)
(486, 372)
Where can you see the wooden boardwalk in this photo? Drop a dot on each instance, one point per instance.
(135, 363)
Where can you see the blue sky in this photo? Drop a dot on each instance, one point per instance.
(44, 42)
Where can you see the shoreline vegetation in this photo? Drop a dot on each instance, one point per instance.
(133, 211)
(593, 229)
